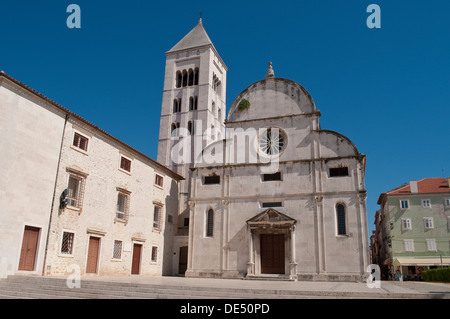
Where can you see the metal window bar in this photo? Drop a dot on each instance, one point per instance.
(117, 251)
(67, 243)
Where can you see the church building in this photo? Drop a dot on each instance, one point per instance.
(267, 192)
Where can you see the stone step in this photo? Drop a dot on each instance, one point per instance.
(37, 287)
(269, 277)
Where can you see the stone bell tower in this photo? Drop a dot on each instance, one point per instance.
(192, 112)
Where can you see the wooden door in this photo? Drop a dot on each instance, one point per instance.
(29, 248)
(136, 262)
(92, 258)
(272, 253)
(182, 260)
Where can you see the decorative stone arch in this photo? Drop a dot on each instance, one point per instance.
(271, 222)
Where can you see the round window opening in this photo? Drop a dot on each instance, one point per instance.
(272, 141)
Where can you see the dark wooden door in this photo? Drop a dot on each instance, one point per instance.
(272, 253)
(136, 262)
(182, 260)
(92, 259)
(29, 248)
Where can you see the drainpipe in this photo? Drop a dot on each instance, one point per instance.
(54, 193)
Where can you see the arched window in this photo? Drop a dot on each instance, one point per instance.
(196, 76)
(209, 223)
(185, 78)
(340, 216)
(173, 129)
(191, 77)
(179, 78)
(191, 103)
(190, 128)
(175, 106)
(195, 102)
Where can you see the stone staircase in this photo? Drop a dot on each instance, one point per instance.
(37, 287)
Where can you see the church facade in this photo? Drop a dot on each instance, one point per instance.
(268, 193)
(262, 191)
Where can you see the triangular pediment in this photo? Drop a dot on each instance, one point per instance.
(271, 217)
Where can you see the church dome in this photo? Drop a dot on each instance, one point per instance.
(269, 98)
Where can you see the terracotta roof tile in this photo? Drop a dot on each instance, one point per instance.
(426, 185)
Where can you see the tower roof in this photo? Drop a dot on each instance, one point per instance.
(197, 37)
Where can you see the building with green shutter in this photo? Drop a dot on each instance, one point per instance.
(413, 229)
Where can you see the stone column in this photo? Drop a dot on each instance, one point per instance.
(191, 235)
(293, 263)
(251, 261)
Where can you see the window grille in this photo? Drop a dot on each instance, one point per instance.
(67, 243)
(117, 251)
(154, 254)
(157, 218)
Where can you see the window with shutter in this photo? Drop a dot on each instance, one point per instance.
(80, 141)
(125, 164)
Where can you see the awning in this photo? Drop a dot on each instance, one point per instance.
(421, 261)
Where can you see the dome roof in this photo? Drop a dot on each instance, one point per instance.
(271, 97)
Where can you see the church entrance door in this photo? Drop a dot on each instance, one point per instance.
(272, 253)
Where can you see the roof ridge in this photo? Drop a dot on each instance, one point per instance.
(64, 109)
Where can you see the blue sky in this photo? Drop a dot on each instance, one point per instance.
(386, 89)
